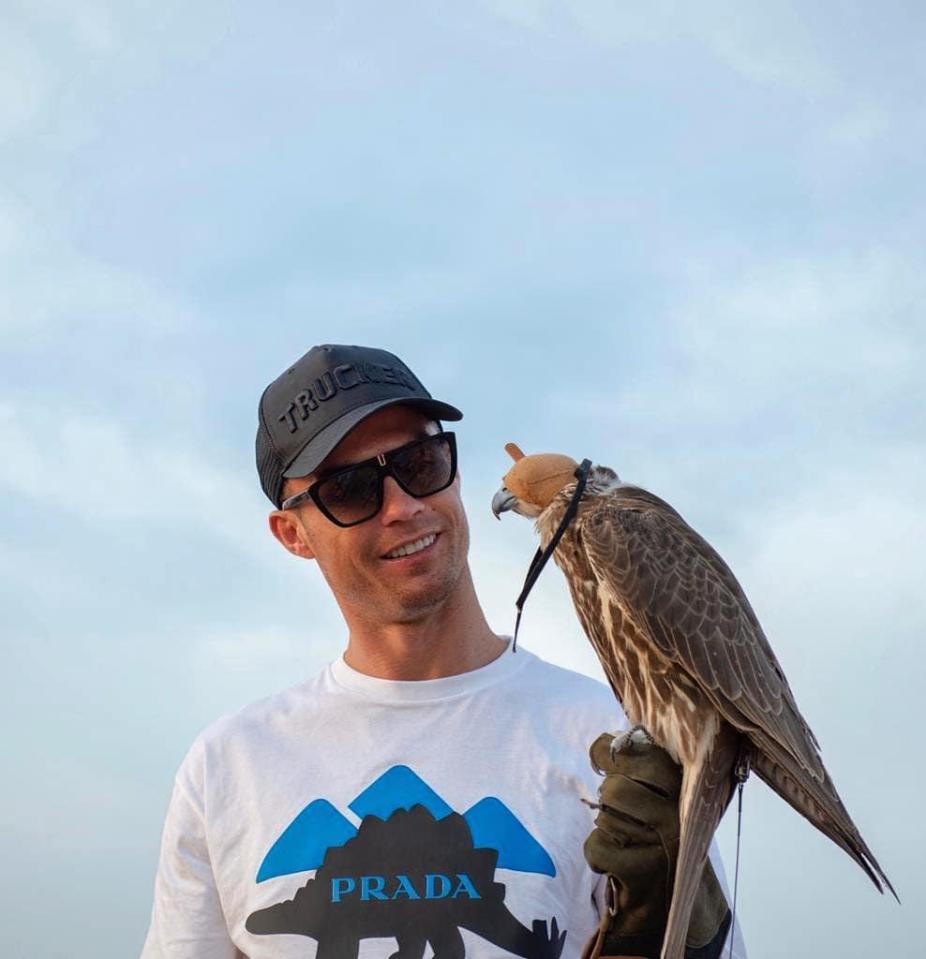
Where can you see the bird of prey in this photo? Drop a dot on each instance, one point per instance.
(685, 655)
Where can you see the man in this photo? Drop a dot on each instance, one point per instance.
(430, 788)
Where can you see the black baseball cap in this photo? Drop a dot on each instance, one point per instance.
(305, 412)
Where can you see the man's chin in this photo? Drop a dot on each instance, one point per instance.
(412, 608)
(418, 602)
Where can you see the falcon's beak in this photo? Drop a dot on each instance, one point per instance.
(503, 500)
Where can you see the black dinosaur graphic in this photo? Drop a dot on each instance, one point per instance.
(412, 877)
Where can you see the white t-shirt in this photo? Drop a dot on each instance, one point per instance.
(351, 816)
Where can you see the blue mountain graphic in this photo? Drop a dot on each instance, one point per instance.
(302, 845)
(304, 842)
(494, 825)
(398, 788)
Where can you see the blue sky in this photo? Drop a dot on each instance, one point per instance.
(683, 240)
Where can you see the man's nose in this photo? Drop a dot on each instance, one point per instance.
(397, 504)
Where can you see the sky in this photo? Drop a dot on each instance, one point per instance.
(684, 240)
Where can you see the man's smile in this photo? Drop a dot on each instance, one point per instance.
(412, 548)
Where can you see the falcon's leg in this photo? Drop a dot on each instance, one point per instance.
(625, 741)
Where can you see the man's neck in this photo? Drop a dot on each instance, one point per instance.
(453, 638)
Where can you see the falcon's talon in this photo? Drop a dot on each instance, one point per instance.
(636, 735)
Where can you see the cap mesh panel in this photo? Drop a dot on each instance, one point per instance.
(269, 467)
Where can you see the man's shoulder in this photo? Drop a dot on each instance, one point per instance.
(576, 707)
(562, 677)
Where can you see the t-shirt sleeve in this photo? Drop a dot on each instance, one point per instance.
(187, 920)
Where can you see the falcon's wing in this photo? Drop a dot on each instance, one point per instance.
(697, 614)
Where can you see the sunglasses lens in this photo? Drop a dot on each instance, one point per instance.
(421, 468)
(351, 496)
(425, 467)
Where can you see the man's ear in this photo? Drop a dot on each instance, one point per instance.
(290, 532)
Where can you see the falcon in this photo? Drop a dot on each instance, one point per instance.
(684, 654)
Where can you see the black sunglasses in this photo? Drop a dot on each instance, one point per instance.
(353, 494)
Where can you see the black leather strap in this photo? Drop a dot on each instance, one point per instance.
(542, 555)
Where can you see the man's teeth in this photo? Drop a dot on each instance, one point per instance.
(412, 547)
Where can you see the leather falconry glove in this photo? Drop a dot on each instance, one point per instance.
(635, 843)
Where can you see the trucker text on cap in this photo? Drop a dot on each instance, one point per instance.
(342, 377)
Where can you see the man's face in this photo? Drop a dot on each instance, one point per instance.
(365, 582)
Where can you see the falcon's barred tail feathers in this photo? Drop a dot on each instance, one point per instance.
(684, 653)
(707, 787)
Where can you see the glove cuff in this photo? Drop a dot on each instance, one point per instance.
(604, 946)
(608, 943)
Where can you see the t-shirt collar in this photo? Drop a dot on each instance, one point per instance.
(429, 690)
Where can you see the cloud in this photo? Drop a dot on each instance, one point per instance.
(88, 24)
(531, 14)
(95, 468)
(36, 40)
(767, 44)
(791, 338)
(841, 560)
(245, 650)
(50, 289)
(24, 82)
(860, 127)
(825, 318)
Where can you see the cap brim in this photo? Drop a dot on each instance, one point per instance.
(325, 440)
